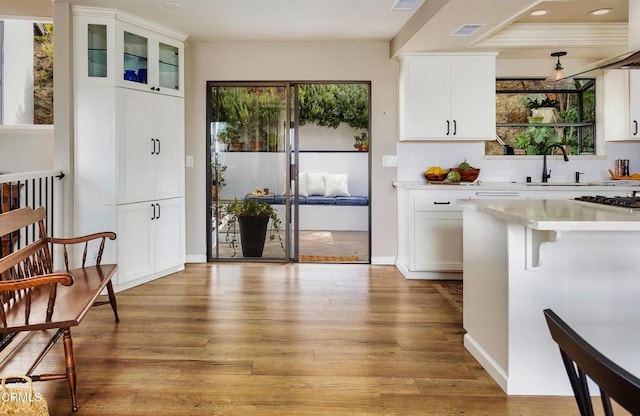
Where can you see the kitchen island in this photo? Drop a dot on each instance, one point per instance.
(522, 256)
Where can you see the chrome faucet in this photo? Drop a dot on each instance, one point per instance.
(546, 175)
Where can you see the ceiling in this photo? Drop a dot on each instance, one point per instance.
(507, 25)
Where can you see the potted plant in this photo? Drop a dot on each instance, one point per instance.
(272, 142)
(361, 142)
(546, 108)
(252, 218)
(535, 139)
(217, 177)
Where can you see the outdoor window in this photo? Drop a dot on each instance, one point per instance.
(531, 115)
(26, 72)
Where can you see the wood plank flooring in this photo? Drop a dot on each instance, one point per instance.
(280, 339)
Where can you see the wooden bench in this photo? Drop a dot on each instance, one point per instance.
(34, 297)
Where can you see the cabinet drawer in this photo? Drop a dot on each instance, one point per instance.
(438, 203)
(498, 195)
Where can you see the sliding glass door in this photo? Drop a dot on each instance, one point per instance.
(296, 155)
(248, 134)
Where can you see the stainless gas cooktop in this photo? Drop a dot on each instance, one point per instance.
(627, 202)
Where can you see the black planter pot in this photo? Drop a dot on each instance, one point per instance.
(253, 231)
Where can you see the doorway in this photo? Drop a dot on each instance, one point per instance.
(298, 150)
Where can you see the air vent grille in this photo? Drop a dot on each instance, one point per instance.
(467, 30)
(404, 4)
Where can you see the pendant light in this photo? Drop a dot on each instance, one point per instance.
(556, 79)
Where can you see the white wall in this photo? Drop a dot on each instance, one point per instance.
(26, 149)
(17, 73)
(295, 62)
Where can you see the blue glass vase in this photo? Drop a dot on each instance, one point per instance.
(130, 75)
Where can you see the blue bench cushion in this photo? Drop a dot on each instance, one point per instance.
(352, 200)
(355, 200)
(321, 200)
(280, 199)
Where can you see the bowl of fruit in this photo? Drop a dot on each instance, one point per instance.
(467, 172)
(435, 174)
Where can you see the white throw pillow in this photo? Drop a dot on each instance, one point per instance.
(302, 183)
(315, 183)
(336, 184)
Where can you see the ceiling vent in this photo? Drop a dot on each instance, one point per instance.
(405, 4)
(466, 30)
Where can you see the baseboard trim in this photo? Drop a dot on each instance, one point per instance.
(196, 258)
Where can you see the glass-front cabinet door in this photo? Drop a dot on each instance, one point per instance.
(97, 64)
(169, 67)
(108, 51)
(150, 61)
(135, 55)
(94, 50)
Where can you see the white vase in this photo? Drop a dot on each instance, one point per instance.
(548, 114)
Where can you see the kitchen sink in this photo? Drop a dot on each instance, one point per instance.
(563, 184)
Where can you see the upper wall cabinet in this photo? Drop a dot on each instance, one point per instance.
(117, 49)
(621, 105)
(447, 97)
(634, 105)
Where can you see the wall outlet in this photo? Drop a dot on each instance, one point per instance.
(389, 161)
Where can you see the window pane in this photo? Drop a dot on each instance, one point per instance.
(43, 73)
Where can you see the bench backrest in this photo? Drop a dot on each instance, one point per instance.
(36, 257)
(32, 260)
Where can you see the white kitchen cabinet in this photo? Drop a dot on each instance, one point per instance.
(152, 239)
(129, 152)
(437, 236)
(150, 146)
(430, 227)
(112, 48)
(149, 61)
(447, 97)
(621, 105)
(634, 105)
(94, 46)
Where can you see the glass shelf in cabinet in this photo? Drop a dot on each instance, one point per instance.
(98, 56)
(169, 67)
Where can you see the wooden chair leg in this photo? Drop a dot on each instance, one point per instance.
(70, 364)
(112, 300)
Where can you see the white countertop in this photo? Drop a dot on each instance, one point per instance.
(557, 215)
(521, 186)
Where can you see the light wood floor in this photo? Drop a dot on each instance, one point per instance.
(281, 339)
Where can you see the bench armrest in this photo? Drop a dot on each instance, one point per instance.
(83, 239)
(63, 278)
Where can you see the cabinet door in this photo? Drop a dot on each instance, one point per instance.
(425, 98)
(437, 241)
(634, 104)
(94, 50)
(133, 56)
(136, 149)
(136, 245)
(473, 97)
(169, 234)
(168, 157)
(170, 67)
